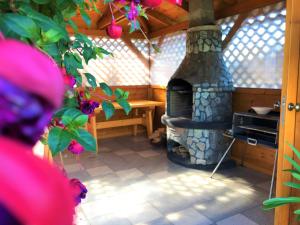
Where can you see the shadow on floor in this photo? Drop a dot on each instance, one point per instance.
(130, 182)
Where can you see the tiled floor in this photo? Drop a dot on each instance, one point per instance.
(132, 183)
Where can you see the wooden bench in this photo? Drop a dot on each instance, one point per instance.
(147, 120)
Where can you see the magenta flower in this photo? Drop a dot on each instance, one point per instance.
(80, 190)
(75, 147)
(88, 106)
(133, 12)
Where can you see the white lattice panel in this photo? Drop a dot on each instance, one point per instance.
(255, 54)
(124, 67)
(165, 63)
(226, 24)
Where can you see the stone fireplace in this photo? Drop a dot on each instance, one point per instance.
(199, 95)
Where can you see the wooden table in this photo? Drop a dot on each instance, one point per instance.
(146, 120)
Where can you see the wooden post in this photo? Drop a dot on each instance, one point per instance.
(93, 130)
(288, 126)
(149, 121)
(135, 127)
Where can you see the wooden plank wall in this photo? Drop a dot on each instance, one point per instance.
(255, 157)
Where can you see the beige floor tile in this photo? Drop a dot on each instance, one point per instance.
(99, 171)
(121, 152)
(71, 168)
(148, 153)
(141, 214)
(238, 219)
(188, 217)
(129, 174)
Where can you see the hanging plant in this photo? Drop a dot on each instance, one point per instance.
(43, 24)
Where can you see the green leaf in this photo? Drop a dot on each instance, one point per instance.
(83, 39)
(95, 8)
(74, 117)
(106, 89)
(58, 140)
(21, 25)
(275, 202)
(86, 140)
(52, 36)
(51, 49)
(108, 109)
(45, 22)
(156, 48)
(125, 105)
(126, 95)
(119, 93)
(91, 79)
(60, 112)
(41, 2)
(291, 161)
(103, 51)
(296, 175)
(297, 153)
(292, 184)
(69, 9)
(85, 17)
(72, 63)
(88, 53)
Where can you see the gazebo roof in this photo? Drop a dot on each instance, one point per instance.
(166, 18)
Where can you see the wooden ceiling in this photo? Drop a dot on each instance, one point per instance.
(166, 18)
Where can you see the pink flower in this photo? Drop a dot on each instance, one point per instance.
(79, 189)
(75, 147)
(69, 80)
(178, 2)
(114, 31)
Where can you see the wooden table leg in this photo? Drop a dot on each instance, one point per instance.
(149, 122)
(93, 130)
(135, 127)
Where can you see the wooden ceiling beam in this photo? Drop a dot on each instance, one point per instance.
(104, 14)
(102, 33)
(243, 7)
(161, 18)
(171, 29)
(237, 24)
(144, 25)
(107, 19)
(239, 8)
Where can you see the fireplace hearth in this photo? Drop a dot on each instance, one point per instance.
(199, 94)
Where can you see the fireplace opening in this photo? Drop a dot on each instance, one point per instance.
(179, 98)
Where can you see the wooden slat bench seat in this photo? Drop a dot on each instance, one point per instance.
(147, 120)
